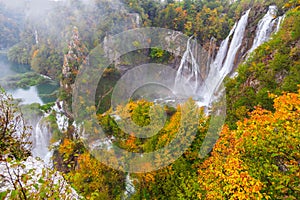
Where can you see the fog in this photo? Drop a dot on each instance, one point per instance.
(55, 18)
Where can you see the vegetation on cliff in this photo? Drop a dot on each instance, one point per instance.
(257, 155)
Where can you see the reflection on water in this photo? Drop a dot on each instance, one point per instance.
(34, 94)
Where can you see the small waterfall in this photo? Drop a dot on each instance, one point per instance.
(36, 37)
(41, 136)
(61, 119)
(41, 140)
(264, 28)
(129, 187)
(279, 21)
(137, 20)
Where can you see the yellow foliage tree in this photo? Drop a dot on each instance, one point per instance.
(258, 160)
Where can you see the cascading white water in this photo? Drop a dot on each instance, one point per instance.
(129, 187)
(213, 77)
(188, 77)
(61, 119)
(188, 74)
(279, 21)
(223, 62)
(235, 45)
(221, 55)
(41, 141)
(36, 37)
(264, 28)
(41, 134)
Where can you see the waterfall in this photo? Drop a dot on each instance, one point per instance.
(221, 55)
(137, 19)
(224, 61)
(188, 81)
(129, 187)
(215, 67)
(235, 44)
(264, 28)
(61, 119)
(41, 140)
(188, 74)
(36, 37)
(279, 21)
(41, 135)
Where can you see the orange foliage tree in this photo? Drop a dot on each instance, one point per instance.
(258, 160)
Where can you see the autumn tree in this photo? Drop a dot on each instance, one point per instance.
(272, 68)
(95, 180)
(20, 177)
(258, 160)
(14, 133)
(179, 179)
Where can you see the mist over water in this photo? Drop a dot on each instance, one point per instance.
(7, 68)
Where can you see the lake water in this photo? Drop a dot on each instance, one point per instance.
(34, 94)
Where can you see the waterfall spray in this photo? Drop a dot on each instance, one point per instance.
(188, 74)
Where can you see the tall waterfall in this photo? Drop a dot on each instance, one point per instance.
(264, 28)
(204, 90)
(188, 74)
(220, 68)
(218, 62)
(213, 79)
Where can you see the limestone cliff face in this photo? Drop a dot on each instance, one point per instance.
(75, 56)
